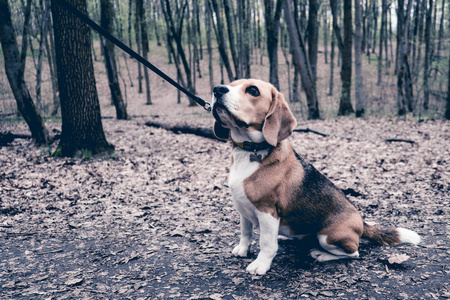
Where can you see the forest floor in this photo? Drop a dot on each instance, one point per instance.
(156, 220)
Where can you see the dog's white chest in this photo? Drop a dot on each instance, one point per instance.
(241, 169)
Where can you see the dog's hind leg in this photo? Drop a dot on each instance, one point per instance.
(333, 252)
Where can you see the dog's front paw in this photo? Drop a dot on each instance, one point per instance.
(259, 267)
(240, 250)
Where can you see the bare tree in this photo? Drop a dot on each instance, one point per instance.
(80, 108)
(345, 48)
(231, 35)
(138, 36)
(359, 87)
(382, 34)
(447, 104)
(332, 54)
(404, 82)
(208, 18)
(326, 32)
(427, 56)
(313, 36)
(441, 31)
(107, 22)
(218, 29)
(175, 32)
(142, 24)
(244, 38)
(14, 69)
(300, 62)
(44, 11)
(272, 29)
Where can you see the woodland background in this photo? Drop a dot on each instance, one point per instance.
(402, 66)
(153, 218)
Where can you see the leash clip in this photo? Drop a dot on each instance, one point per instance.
(207, 106)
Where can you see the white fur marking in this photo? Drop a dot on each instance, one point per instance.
(245, 240)
(322, 256)
(333, 249)
(286, 233)
(268, 243)
(231, 100)
(408, 236)
(241, 169)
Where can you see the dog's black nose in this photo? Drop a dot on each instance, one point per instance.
(219, 91)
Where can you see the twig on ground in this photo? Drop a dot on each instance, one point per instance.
(203, 132)
(399, 140)
(8, 137)
(306, 130)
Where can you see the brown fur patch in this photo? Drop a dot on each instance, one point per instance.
(345, 231)
(293, 190)
(270, 186)
(389, 236)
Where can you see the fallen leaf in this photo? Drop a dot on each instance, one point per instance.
(398, 259)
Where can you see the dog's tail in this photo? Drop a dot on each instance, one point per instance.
(390, 236)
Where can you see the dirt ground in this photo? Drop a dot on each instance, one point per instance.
(156, 220)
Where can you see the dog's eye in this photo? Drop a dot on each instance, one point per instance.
(252, 90)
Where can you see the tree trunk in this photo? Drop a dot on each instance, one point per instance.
(359, 87)
(50, 49)
(404, 82)
(245, 38)
(326, 31)
(208, 18)
(345, 104)
(447, 105)
(336, 30)
(441, 31)
(175, 33)
(380, 52)
(300, 61)
(14, 70)
(313, 37)
(138, 36)
(107, 19)
(369, 29)
(145, 49)
(421, 35)
(333, 41)
(284, 45)
(375, 26)
(231, 32)
(427, 56)
(272, 29)
(364, 12)
(130, 14)
(218, 29)
(45, 11)
(80, 109)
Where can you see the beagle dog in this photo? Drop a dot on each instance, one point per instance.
(274, 189)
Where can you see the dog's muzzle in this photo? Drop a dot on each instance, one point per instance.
(219, 91)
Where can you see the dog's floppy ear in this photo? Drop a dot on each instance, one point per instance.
(280, 121)
(221, 132)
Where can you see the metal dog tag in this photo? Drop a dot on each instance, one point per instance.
(255, 157)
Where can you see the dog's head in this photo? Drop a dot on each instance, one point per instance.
(253, 106)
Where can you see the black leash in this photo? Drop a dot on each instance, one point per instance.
(115, 41)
